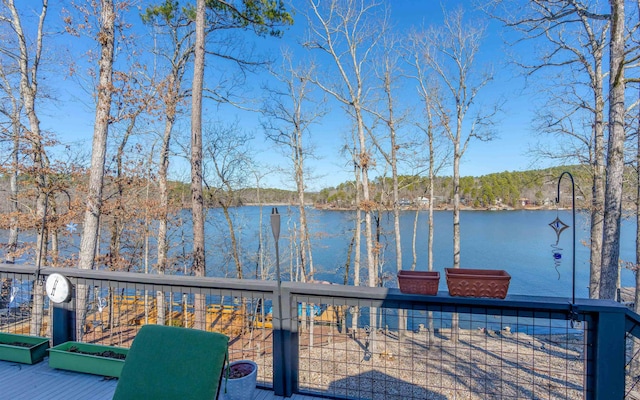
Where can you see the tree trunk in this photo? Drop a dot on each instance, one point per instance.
(344, 22)
(391, 123)
(54, 253)
(414, 239)
(456, 199)
(234, 242)
(37, 308)
(117, 217)
(197, 199)
(93, 208)
(29, 90)
(615, 155)
(358, 241)
(306, 257)
(260, 270)
(171, 98)
(431, 227)
(163, 245)
(598, 178)
(456, 220)
(12, 243)
(432, 176)
(635, 364)
(367, 205)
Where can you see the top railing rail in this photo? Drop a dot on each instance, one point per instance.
(152, 280)
(393, 298)
(348, 295)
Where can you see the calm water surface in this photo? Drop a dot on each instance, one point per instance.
(519, 242)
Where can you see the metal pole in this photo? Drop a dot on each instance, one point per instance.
(275, 230)
(573, 244)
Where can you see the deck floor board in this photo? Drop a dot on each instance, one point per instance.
(39, 382)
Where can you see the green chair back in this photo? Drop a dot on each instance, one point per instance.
(167, 363)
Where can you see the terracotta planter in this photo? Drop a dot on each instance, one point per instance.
(419, 282)
(23, 348)
(477, 282)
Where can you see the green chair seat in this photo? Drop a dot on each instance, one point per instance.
(169, 363)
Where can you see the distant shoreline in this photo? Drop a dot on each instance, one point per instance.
(329, 207)
(448, 208)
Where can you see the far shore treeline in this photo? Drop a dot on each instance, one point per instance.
(503, 190)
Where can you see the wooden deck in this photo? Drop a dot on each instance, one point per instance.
(39, 382)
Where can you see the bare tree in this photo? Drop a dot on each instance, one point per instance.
(635, 364)
(430, 95)
(28, 60)
(344, 32)
(633, 58)
(451, 55)
(289, 113)
(178, 27)
(89, 240)
(227, 166)
(133, 99)
(12, 111)
(197, 200)
(615, 154)
(357, 231)
(388, 73)
(577, 35)
(263, 18)
(348, 33)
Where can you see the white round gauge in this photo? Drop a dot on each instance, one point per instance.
(58, 288)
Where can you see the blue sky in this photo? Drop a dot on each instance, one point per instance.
(71, 117)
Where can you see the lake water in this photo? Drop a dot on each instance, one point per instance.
(519, 242)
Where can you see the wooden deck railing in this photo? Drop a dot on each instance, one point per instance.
(358, 342)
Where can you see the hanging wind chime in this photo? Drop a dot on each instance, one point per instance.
(558, 226)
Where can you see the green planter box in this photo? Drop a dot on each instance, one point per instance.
(61, 357)
(22, 354)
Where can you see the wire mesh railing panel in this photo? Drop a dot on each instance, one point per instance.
(361, 352)
(113, 313)
(116, 312)
(23, 310)
(632, 364)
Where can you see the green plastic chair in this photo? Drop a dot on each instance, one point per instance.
(169, 363)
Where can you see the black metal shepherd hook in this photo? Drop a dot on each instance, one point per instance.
(573, 244)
